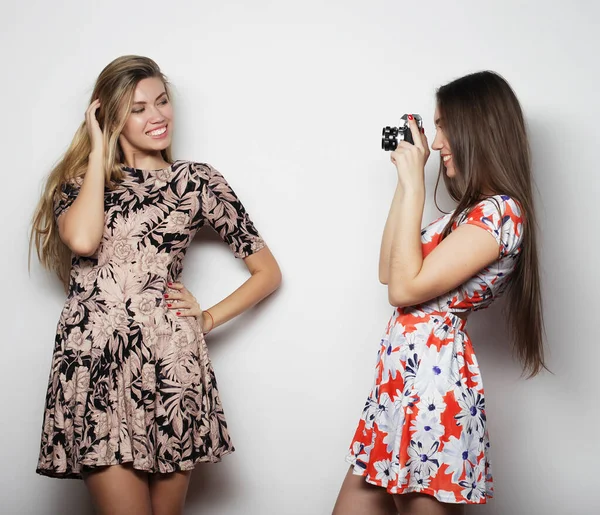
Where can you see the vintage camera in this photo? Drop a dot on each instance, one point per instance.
(390, 136)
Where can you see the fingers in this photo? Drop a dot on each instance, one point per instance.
(404, 145)
(91, 110)
(181, 305)
(402, 150)
(415, 131)
(93, 106)
(92, 125)
(185, 309)
(182, 302)
(182, 293)
(410, 157)
(425, 144)
(189, 313)
(180, 298)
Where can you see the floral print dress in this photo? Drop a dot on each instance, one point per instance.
(130, 381)
(423, 427)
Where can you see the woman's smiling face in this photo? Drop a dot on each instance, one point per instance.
(149, 125)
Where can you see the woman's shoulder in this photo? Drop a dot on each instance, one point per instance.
(180, 164)
(67, 185)
(437, 224)
(432, 232)
(499, 207)
(197, 169)
(203, 177)
(500, 215)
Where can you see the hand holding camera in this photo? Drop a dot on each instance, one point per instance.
(409, 150)
(391, 136)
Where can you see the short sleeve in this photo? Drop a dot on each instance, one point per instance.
(223, 211)
(502, 217)
(65, 195)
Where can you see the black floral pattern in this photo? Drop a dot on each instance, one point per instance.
(130, 381)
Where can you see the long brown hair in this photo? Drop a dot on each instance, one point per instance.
(483, 122)
(114, 88)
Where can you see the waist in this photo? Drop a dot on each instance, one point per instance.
(458, 320)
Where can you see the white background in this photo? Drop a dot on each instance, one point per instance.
(287, 100)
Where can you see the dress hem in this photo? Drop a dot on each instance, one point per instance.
(394, 490)
(173, 467)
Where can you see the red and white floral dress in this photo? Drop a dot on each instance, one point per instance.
(423, 427)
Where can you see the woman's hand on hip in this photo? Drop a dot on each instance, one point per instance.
(185, 305)
(183, 302)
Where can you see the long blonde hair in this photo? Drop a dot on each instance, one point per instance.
(114, 88)
(484, 123)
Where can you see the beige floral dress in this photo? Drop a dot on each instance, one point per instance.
(131, 382)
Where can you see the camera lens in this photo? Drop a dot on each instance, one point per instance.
(389, 138)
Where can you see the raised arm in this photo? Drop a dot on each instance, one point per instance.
(386, 240)
(81, 225)
(466, 251)
(396, 209)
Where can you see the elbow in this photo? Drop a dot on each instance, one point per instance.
(276, 278)
(82, 241)
(270, 276)
(383, 274)
(83, 246)
(399, 298)
(406, 291)
(265, 269)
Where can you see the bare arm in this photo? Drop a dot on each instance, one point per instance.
(406, 256)
(386, 240)
(225, 213)
(265, 278)
(391, 224)
(82, 225)
(460, 256)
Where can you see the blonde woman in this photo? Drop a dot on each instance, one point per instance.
(132, 403)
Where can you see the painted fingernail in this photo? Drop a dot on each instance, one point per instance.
(422, 130)
(169, 305)
(410, 116)
(169, 284)
(166, 296)
(178, 313)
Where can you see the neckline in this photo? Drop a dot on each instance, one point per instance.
(149, 171)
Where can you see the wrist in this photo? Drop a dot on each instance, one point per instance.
(208, 322)
(414, 197)
(412, 191)
(97, 155)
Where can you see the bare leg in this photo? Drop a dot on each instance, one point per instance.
(357, 497)
(119, 490)
(421, 504)
(168, 491)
